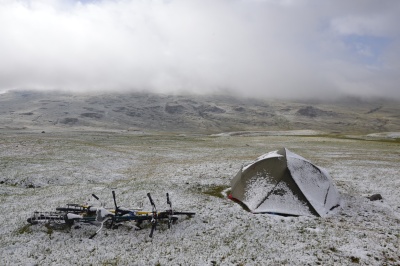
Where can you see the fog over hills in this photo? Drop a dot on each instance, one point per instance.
(29, 110)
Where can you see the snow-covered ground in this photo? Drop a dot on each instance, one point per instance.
(43, 171)
(389, 135)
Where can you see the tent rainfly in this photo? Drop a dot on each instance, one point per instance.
(283, 182)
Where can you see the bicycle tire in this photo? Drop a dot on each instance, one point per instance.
(184, 213)
(72, 209)
(46, 219)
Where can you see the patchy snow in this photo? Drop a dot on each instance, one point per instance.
(286, 200)
(362, 232)
(315, 183)
(271, 154)
(389, 135)
(71, 216)
(304, 132)
(255, 190)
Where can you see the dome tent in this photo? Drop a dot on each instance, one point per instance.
(283, 182)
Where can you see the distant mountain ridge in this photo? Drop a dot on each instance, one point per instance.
(192, 113)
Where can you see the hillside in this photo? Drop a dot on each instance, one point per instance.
(192, 113)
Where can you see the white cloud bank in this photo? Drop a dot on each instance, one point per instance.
(267, 48)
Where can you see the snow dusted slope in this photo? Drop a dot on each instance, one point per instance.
(188, 167)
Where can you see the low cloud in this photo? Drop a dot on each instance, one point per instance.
(261, 48)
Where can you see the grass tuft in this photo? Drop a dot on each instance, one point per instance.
(354, 259)
(26, 229)
(215, 191)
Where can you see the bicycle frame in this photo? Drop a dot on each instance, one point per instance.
(75, 213)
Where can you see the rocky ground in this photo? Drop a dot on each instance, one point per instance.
(59, 148)
(42, 171)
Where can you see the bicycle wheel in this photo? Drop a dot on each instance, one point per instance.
(72, 209)
(56, 218)
(184, 213)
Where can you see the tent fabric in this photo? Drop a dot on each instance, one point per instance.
(283, 182)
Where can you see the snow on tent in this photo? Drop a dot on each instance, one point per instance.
(283, 182)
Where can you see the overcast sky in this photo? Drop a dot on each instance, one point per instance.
(266, 48)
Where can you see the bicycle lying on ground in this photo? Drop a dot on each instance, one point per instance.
(76, 213)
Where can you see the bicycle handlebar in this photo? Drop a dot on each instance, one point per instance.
(151, 200)
(168, 201)
(115, 201)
